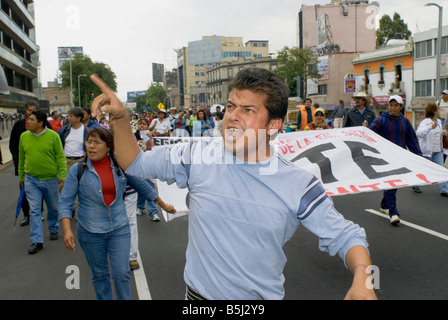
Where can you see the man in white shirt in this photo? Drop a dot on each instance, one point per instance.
(73, 136)
(443, 105)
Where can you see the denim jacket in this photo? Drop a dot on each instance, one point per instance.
(92, 213)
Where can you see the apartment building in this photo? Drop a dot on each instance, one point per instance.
(18, 53)
(384, 72)
(195, 60)
(335, 32)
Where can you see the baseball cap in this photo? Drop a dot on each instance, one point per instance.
(445, 92)
(396, 98)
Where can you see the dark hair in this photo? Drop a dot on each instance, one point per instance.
(205, 114)
(77, 112)
(264, 81)
(430, 110)
(40, 116)
(308, 99)
(31, 103)
(106, 136)
(143, 120)
(220, 115)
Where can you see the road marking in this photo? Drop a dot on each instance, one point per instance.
(140, 281)
(409, 224)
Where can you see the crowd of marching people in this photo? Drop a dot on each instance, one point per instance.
(70, 164)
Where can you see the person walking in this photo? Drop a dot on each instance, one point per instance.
(430, 134)
(41, 161)
(306, 114)
(240, 255)
(393, 126)
(338, 114)
(360, 114)
(21, 126)
(103, 229)
(319, 123)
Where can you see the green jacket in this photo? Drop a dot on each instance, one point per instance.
(41, 156)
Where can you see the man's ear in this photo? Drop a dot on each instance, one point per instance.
(274, 126)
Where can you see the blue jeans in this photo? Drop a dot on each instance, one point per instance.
(437, 157)
(390, 202)
(152, 207)
(36, 190)
(97, 248)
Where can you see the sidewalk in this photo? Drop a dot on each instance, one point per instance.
(6, 155)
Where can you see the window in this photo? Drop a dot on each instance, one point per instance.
(423, 49)
(423, 88)
(444, 45)
(443, 84)
(381, 70)
(322, 89)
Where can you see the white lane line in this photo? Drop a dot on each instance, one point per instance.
(409, 224)
(140, 281)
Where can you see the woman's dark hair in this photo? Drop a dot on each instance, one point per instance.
(260, 80)
(106, 136)
(430, 110)
(143, 120)
(204, 113)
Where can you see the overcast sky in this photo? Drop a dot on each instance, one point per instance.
(130, 35)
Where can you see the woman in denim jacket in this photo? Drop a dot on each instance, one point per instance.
(103, 229)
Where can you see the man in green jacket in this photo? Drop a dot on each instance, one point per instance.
(42, 168)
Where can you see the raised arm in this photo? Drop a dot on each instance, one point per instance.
(126, 146)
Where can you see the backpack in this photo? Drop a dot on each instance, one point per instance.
(81, 167)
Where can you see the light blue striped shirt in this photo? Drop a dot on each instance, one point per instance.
(240, 219)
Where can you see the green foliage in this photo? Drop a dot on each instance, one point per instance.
(82, 64)
(391, 29)
(295, 62)
(155, 95)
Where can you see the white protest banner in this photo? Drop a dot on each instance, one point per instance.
(354, 160)
(173, 195)
(346, 160)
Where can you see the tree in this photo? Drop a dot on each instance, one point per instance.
(82, 64)
(394, 28)
(156, 95)
(295, 62)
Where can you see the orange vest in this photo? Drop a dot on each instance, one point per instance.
(304, 117)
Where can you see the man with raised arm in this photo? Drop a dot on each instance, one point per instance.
(246, 201)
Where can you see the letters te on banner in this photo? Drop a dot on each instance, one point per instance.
(350, 160)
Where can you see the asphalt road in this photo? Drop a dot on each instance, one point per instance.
(411, 260)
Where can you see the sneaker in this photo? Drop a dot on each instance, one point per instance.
(133, 264)
(155, 217)
(35, 247)
(385, 211)
(25, 222)
(417, 189)
(54, 236)
(139, 211)
(394, 220)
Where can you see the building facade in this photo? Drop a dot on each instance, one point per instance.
(195, 60)
(220, 75)
(335, 32)
(58, 98)
(384, 72)
(425, 69)
(18, 53)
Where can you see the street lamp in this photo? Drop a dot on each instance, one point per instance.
(79, 88)
(439, 47)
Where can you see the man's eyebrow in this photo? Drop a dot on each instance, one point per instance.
(242, 106)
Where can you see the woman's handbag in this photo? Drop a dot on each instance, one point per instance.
(445, 142)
